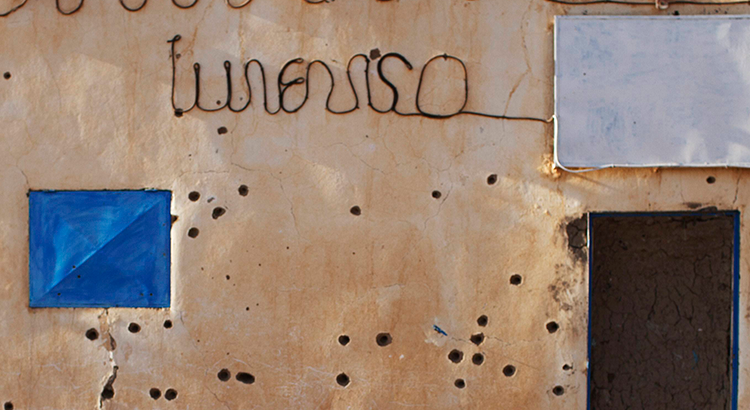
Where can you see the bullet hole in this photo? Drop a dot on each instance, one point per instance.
(224, 375)
(384, 339)
(553, 327)
(167, 324)
(710, 180)
(154, 393)
(676, 13)
(92, 334)
(342, 379)
(8, 405)
(228, 277)
(6, 75)
(477, 338)
(174, 219)
(567, 367)
(374, 54)
(108, 392)
(247, 308)
(456, 356)
(436, 194)
(170, 394)
(509, 370)
(178, 112)
(218, 212)
(222, 130)
(246, 378)
(194, 196)
(356, 211)
(460, 383)
(193, 232)
(558, 390)
(477, 359)
(492, 179)
(344, 340)
(482, 320)
(516, 280)
(134, 328)
(243, 190)
(218, 102)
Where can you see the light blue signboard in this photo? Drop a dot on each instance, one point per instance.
(645, 91)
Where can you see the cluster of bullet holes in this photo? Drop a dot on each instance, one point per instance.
(243, 377)
(218, 211)
(382, 340)
(457, 356)
(155, 394)
(92, 334)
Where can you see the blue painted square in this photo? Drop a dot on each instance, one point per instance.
(99, 248)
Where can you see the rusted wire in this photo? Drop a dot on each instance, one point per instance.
(283, 85)
(134, 9)
(239, 6)
(11, 11)
(648, 3)
(122, 3)
(67, 13)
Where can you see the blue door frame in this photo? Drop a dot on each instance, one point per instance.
(735, 288)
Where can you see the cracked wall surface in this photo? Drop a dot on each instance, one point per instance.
(661, 312)
(330, 225)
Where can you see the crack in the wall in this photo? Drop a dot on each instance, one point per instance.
(108, 392)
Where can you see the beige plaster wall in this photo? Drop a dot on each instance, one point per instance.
(268, 287)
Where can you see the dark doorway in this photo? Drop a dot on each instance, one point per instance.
(663, 311)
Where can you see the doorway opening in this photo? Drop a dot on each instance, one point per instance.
(663, 311)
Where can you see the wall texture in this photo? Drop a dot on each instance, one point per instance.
(268, 287)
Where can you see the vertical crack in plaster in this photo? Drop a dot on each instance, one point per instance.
(110, 344)
(522, 30)
(108, 387)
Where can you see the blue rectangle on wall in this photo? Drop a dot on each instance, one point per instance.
(99, 248)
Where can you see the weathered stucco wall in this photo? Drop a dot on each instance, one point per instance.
(268, 287)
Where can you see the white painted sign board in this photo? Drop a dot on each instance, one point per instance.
(652, 91)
